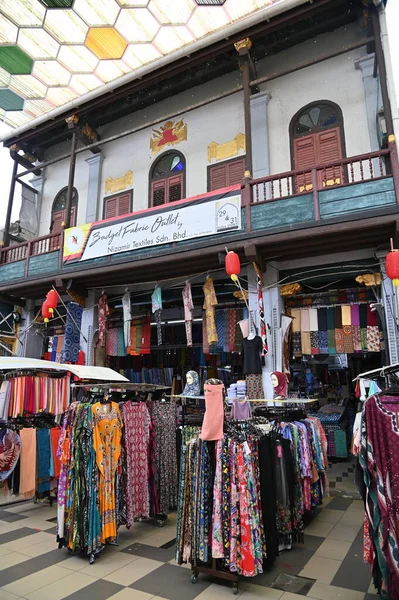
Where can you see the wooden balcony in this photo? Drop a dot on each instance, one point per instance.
(355, 189)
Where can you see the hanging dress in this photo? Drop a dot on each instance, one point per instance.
(107, 432)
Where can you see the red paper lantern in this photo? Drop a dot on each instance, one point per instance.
(52, 299)
(46, 311)
(392, 266)
(232, 263)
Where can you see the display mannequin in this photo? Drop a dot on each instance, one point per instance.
(212, 426)
(280, 384)
(192, 387)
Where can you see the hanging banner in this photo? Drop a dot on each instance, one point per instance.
(202, 218)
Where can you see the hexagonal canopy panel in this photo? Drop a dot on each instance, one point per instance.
(10, 101)
(57, 3)
(105, 42)
(15, 61)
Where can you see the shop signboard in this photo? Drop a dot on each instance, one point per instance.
(212, 214)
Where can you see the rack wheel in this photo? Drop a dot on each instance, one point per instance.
(235, 589)
(160, 522)
(194, 578)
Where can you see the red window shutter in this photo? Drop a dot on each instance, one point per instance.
(73, 217)
(175, 187)
(304, 158)
(235, 172)
(124, 204)
(111, 208)
(158, 192)
(329, 150)
(218, 177)
(58, 219)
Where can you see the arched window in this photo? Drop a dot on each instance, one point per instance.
(58, 210)
(317, 138)
(167, 179)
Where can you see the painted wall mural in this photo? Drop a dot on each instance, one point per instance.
(169, 134)
(227, 150)
(113, 185)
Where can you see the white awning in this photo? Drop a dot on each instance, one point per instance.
(15, 363)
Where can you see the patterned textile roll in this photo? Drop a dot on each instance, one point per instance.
(73, 325)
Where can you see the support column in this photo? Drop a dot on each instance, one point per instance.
(31, 343)
(389, 297)
(95, 163)
(260, 134)
(382, 70)
(243, 47)
(87, 328)
(273, 308)
(38, 184)
(71, 177)
(370, 85)
(6, 233)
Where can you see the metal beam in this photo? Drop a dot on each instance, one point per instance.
(6, 234)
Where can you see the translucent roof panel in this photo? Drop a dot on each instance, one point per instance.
(57, 54)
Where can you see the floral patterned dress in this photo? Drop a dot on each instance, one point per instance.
(107, 432)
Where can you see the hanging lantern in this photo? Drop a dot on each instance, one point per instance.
(52, 298)
(232, 264)
(46, 311)
(392, 266)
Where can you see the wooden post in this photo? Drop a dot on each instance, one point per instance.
(6, 235)
(394, 165)
(316, 204)
(71, 177)
(243, 47)
(246, 196)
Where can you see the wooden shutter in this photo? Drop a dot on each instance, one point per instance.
(329, 151)
(235, 172)
(175, 187)
(58, 219)
(111, 208)
(72, 221)
(305, 157)
(218, 177)
(158, 192)
(117, 206)
(124, 201)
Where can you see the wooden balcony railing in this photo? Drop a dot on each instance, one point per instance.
(41, 245)
(346, 172)
(356, 169)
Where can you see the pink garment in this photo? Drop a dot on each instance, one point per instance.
(188, 312)
(212, 426)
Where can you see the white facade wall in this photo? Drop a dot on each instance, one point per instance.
(336, 80)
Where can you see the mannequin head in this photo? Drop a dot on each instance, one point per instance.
(280, 384)
(192, 387)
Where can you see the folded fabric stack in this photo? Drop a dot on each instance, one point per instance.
(241, 389)
(231, 392)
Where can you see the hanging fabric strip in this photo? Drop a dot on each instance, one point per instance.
(127, 317)
(261, 307)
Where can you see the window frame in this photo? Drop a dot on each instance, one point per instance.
(152, 180)
(218, 164)
(122, 193)
(306, 108)
(74, 205)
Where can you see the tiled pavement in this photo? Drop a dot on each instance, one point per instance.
(328, 566)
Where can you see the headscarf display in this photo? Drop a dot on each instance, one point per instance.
(10, 449)
(281, 388)
(192, 389)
